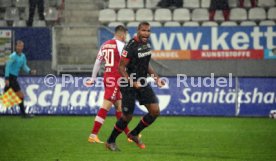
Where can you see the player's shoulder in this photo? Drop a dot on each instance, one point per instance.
(130, 43)
(110, 41)
(13, 54)
(109, 44)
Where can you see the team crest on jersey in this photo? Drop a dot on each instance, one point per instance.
(124, 53)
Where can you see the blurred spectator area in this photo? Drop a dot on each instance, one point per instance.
(191, 13)
(16, 12)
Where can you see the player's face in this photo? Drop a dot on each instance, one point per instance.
(124, 35)
(144, 33)
(19, 47)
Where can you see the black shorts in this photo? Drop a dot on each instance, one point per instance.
(219, 5)
(13, 84)
(144, 95)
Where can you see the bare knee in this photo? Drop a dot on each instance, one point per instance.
(155, 112)
(118, 109)
(127, 118)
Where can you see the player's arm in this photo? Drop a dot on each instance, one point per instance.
(155, 76)
(27, 69)
(25, 66)
(124, 61)
(152, 72)
(96, 68)
(122, 69)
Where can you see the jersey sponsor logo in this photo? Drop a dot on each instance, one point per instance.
(145, 47)
(124, 53)
(141, 55)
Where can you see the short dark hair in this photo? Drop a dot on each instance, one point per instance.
(19, 42)
(142, 24)
(120, 28)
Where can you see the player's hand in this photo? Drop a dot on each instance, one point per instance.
(7, 83)
(160, 82)
(137, 85)
(89, 83)
(33, 72)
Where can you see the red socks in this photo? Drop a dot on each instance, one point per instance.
(212, 15)
(253, 3)
(226, 14)
(99, 120)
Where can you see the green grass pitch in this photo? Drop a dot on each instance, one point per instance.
(57, 138)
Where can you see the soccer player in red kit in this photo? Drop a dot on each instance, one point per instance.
(109, 53)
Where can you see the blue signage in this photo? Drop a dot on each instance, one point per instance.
(200, 96)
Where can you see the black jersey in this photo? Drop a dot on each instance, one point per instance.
(139, 55)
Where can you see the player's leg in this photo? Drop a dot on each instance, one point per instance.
(16, 88)
(109, 99)
(120, 125)
(148, 119)
(226, 14)
(128, 102)
(146, 97)
(212, 15)
(241, 3)
(118, 106)
(40, 8)
(253, 3)
(99, 120)
(22, 106)
(212, 10)
(32, 5)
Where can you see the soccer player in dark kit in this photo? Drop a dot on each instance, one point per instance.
(134, 68)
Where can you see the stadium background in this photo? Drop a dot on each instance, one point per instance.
(184, 42)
